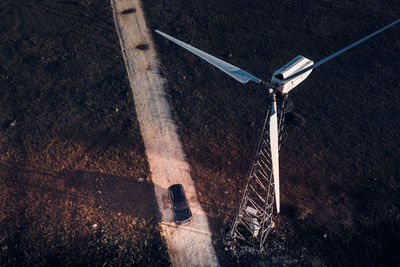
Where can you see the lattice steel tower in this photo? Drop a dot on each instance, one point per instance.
(253, 220)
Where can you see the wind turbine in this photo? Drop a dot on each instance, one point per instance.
(283, 80)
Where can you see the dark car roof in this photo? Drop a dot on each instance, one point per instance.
(177, 192)
(180, 205)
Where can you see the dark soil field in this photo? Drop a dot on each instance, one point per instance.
(340, 168)
(75, 187)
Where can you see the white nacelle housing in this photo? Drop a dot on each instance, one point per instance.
(295, 65)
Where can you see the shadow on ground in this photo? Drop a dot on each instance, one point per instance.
(74, 180)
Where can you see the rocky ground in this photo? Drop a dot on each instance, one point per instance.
(340, 151)
(72, 160)
(74, 180)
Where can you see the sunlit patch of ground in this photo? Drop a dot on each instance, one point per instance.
(52, 213)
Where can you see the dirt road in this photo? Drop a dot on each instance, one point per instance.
(188, 245)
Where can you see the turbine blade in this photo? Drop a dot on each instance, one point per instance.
(233, 71)
(340, 51)
(273, 135)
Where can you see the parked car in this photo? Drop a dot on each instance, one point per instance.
(179, 204)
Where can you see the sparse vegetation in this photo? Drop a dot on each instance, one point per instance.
(339, 157)
(74, 180)
(71, 156)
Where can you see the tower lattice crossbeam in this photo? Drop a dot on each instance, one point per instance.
(253, 220)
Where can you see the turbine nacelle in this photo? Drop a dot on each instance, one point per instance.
(296, 65)
(283, 81)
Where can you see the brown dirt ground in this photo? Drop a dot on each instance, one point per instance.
(339, 158)
(74, 181)
(340, 154)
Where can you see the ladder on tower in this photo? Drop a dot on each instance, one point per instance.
(253, 221)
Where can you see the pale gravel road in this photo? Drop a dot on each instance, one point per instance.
(188, 245)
